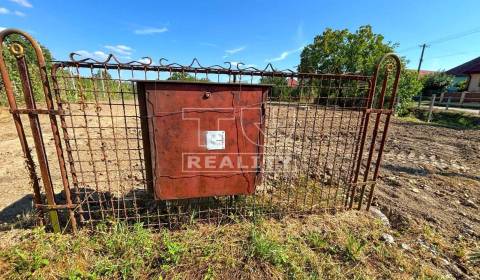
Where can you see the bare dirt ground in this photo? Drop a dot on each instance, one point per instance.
(432, 174)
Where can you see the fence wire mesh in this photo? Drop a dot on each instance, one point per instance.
(324, 137)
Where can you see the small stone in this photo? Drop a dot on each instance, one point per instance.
(405, 247)
(469, 203)
(387, 238)
(415, 190)
(378, 214)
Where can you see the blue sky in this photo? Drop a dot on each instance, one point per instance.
(253, 32)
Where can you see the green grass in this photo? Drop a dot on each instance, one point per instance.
(451, 119)
(343, 246)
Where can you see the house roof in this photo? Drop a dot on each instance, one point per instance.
(472, 66)
(426, 72)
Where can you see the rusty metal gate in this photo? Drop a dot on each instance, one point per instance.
(324, 136)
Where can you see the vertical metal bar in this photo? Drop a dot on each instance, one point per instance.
(374, 139)
(142, 100)
(66, 135)
(38, 140)
(30, 165)
(385, 131)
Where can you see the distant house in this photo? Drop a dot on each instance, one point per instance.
(469, 71)
(426, 72)
(291, 82)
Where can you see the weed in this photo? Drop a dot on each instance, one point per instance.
(173, 251)
(125, 251)
(354, 247)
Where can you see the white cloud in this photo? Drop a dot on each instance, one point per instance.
(23, 3)
(2, 28)
(4, 11)
(144, 60)
(20, 14)
(241, 65)
(150, 30)
(98, 55)
(236, 50)
(284, 55)
(208, 44)
(120, 49)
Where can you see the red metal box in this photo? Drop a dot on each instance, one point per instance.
(203, 139)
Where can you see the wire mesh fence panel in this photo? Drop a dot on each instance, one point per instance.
(322, 138)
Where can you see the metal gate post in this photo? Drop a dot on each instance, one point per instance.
(398, 68)
(32, 111)
(30, 164)
(379, 111)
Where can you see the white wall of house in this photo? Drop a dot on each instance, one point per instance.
(474, 84)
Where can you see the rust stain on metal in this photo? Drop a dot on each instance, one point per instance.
(205, 139)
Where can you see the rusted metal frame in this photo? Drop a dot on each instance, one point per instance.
(66, 138)
(35, 124)
(204, 70)
(58, 142)
(140, 136)
(69, 148)
(312, 142)
(329, 142)
(89, 144)
(356, 143)
(145, 135)
(297, 109)
(365, 124)
(321, 132)
(54, 126)
(122, 94)
(36, 111)
(337, 142)
(373, 140)
(29, 162)
(337, 90)
(280, 154)
(98, 108)
(38, 139)
(266, 145)
(398, 66)
(285, 147)
(275, 153)
(344, 180)
(306, 177)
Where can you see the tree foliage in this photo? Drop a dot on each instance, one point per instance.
(409, 86)
(340, 51)
(281, 91)
(182, 76)
(436, 82)
(31, 59)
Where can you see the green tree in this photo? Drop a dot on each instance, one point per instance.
(31, 59)
(182, 76)
(281, 91)
(436, 83)
(341, 51)
(409, 86)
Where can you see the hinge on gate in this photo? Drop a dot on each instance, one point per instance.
(379, 111)
(36, 111)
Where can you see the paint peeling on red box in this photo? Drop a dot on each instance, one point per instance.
(206, 139)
